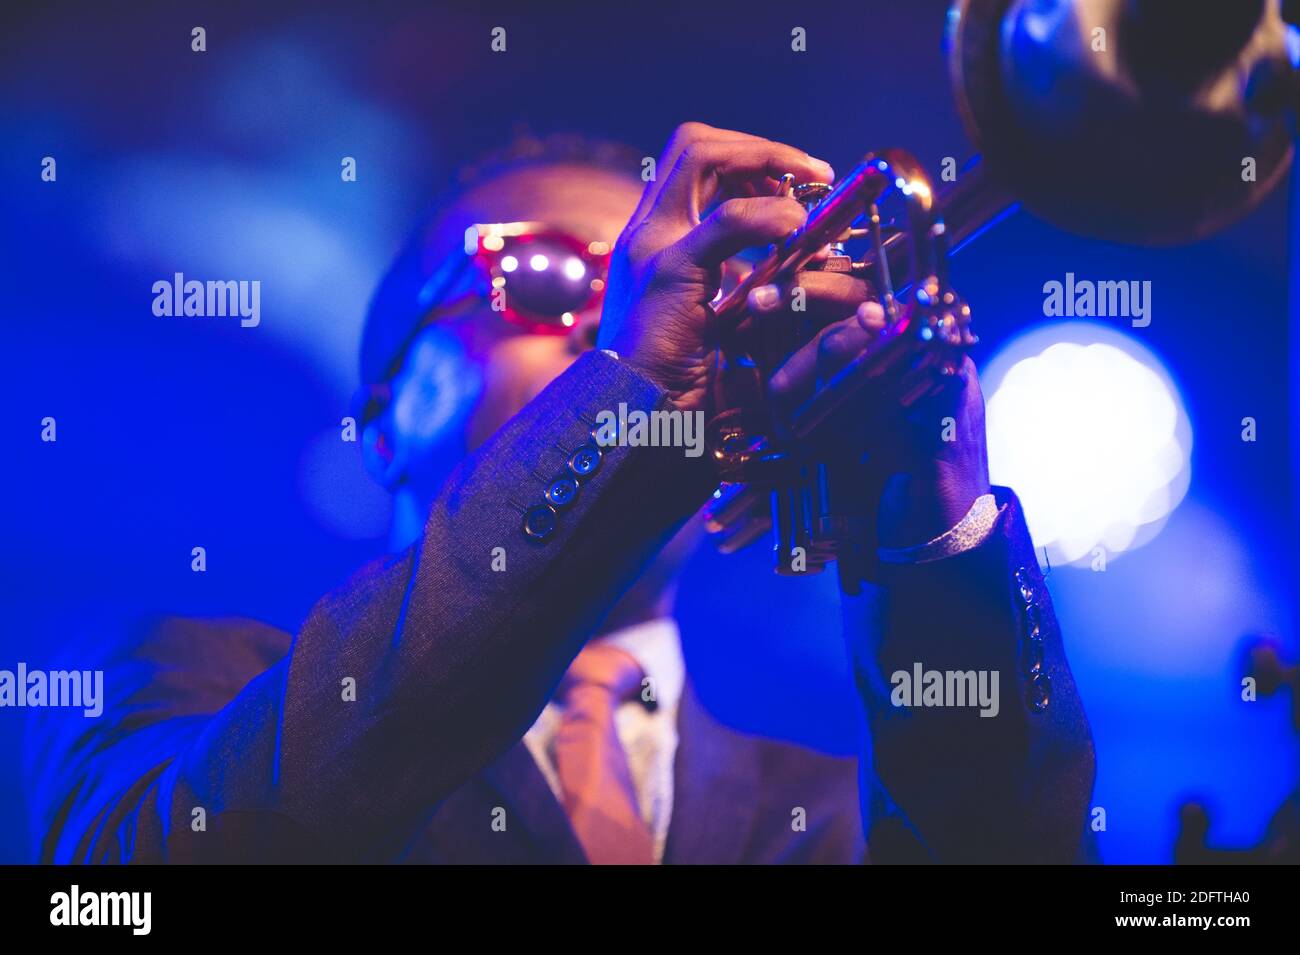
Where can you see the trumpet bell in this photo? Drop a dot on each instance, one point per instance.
(1141, 121)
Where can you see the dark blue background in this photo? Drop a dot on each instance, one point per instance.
(177, 432)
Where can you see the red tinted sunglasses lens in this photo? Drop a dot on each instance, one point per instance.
(547, 279)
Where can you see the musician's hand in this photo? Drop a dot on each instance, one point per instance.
(667, 264)
(938, 465)
(932, 458)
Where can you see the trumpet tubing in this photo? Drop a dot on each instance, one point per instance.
(1144, 145)
(774, 466)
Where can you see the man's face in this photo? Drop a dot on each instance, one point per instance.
(461, 380)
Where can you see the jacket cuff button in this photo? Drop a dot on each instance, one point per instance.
(1026, 586)
(584, 462)
(561, 492)
(1038, 694)
(539, 522)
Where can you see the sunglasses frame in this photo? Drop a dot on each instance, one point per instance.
(489, 244)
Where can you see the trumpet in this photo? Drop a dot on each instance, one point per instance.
(1154, 168)
(765, 459)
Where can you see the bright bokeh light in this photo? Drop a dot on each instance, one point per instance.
(573, 268)
(509, 263)
(539, 262)
(1085, 425)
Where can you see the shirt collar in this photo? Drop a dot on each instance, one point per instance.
(657, 646)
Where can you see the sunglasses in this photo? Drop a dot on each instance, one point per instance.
(534, 276)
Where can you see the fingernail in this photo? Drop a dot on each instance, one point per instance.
(828, 169)
(871, 316)
(764, 298)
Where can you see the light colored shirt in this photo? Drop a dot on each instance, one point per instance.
(649, 737)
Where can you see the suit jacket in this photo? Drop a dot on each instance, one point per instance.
(735, 795)
(397, 708)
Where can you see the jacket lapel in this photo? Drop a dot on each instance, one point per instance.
(715, 790)
(715, 783)
(532, 806)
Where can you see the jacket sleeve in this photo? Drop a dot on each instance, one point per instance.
(402, 683)
(944, 782)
